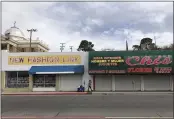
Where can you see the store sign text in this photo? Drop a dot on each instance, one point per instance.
(163, 69)
(148, 60)
(107, 71)
(140, 70)
(107, 61)
(60, 59)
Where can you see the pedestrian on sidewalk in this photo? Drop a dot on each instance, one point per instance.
(89, 85)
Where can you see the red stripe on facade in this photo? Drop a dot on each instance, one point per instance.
(94, 82)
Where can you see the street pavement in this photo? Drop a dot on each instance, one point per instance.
(61, 106)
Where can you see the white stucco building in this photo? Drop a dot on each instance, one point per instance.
(14, 40)
(46, 71)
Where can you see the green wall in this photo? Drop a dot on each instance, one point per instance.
(113, 66)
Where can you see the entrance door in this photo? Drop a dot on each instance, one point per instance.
(103, 83)
(157, 82)
(70, 82)
(128, 83)
(44, 83)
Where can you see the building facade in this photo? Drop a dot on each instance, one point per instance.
(108, 71)
(39, 70)
(14, 40)
(44, 71)
(132, 71)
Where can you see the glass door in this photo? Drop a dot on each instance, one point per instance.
(50, 80)
(38, 81)
(44, 81)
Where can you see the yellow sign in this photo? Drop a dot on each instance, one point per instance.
(56, 59)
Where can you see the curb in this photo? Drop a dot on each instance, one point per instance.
(81, 117)
(47, 93)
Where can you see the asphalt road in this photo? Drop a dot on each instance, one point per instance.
(89, 105)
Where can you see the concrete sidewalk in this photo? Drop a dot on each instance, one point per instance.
(131, 93)
(45, 93)
(85, 93)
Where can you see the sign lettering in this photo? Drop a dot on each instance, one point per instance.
(163, 70)
(140, 70)
(148, 60)
(59, 59)
(107, 71)
(107, 61)
(17, 60)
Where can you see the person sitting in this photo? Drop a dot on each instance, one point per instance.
(80, 89)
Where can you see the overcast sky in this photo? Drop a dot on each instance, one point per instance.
(106, 24)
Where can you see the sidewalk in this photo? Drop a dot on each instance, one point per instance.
(136, 93)
(45, 93)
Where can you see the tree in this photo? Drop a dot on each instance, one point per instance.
(136, 47)
(167, 47)
(145, 44)
(86, 46)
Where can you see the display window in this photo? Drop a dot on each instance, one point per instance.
(16, 79)
(44, 81)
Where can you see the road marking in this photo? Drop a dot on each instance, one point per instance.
(51, 117)
(46, 95)
(138, 117)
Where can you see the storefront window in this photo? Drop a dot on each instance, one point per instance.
(44, 81)
(17, 79)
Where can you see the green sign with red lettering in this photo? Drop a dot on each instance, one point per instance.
(131, 62)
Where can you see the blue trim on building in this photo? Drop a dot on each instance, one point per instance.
(68, 68)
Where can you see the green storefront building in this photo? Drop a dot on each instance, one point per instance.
(131, 71)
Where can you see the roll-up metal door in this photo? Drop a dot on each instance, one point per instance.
(103, 83)
(128, 83)
(156, 82)
(70, 82)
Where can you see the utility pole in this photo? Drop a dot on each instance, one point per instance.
(31, 31)
(155, 40)
(71, 47)
(62, 47)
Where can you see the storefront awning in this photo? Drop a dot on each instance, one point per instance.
(57, 69)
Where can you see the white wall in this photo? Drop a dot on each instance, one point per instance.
(86, 77)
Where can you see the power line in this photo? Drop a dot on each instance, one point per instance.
(31, 31)
(71, 47)
(62, 47)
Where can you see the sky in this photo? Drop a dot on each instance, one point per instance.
(105, 24)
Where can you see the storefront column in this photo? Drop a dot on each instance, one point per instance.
(93, 82)
(142, 83)
(57, 82)
(8, 47)
(113, 83)
(30, 83)
(3, 79)
(171, 82)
